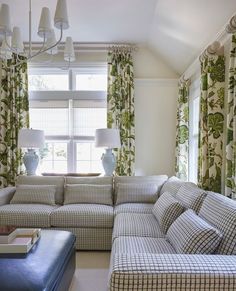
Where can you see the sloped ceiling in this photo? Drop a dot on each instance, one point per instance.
(176, 30)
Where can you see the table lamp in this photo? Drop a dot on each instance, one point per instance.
(108, 138)
(31, 139)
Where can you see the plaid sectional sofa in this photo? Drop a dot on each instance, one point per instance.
(188, 256)
(91, 221)
(164, 234)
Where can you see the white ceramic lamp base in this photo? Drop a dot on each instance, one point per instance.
(31, 161)
(108, 162)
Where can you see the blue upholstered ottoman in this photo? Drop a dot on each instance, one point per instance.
(49, 265)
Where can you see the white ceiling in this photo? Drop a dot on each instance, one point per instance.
(176, 30)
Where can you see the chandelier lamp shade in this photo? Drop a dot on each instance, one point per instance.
(12, 40)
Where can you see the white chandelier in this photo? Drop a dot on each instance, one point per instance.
(12, 42)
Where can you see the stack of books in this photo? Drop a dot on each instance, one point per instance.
(17, 240)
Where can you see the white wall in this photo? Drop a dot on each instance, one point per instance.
(155, 107)
(155, 114)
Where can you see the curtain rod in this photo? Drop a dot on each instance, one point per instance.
(89, 47)
(215, 45)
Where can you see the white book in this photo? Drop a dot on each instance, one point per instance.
(21, 244)
(6, 239)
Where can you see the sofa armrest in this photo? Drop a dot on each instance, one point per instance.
(175, 272)
(6, 195)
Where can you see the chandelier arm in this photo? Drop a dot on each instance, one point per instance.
(49, 48)
(8, 45)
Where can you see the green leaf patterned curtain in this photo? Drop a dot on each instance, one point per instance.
(14, 110)
(120, 107)
(211, 123)
(182, 132)
(230, 187)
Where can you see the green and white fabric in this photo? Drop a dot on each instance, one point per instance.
(182, 132)
(230, 188)
(35, 194)
(120, 107)
(211, 123)
(14, 109)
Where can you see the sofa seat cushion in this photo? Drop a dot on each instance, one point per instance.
(83, 215)
(133, 208)
(133, 245)
(220, 211)
(136, 224)
(26, 215)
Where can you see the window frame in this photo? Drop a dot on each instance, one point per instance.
(70, 95)
(194, 94)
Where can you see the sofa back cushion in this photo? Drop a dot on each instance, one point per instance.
(159, 180)
(220, 211)
(40, 180)
(166, 210)
(191, 196)
(136, 193)
(172, 185)
(36, 194)
(88, 193)
(190, 234)
(89, 180)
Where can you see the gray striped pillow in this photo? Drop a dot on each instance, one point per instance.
(190, 234)
(136, 193)
(85, 193)
(37, 194)
(166, 210)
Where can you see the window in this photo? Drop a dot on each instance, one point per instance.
(194, 98)
(68, 118)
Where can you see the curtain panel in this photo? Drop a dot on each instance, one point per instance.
(182, 132)
(120, 107)
(14, 115)
(230, 187)
(211, 123)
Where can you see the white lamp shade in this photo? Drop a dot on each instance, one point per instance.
(61, 15)
(5, 52)
(16, 43)
(69, 52)
(31, 138)
(107, 137)
(45, 26)
(50, 42)
(5, 22)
